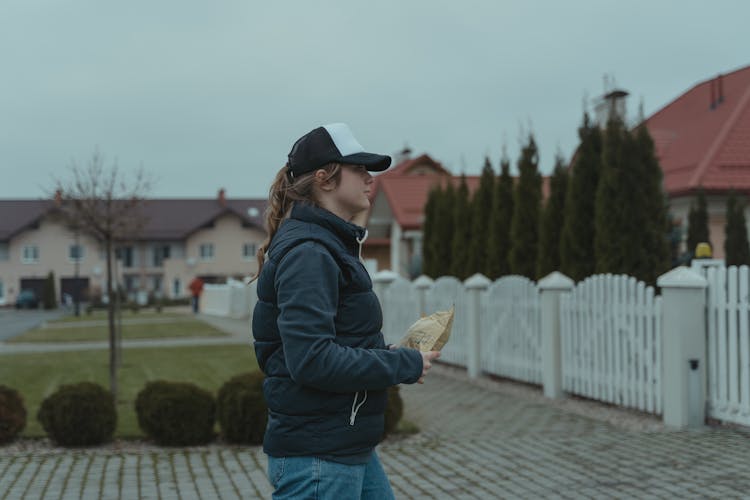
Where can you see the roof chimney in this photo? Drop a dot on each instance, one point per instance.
(721, 88)
(58, 197)
(222, 197)
(712, 104)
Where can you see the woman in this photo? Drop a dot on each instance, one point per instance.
(317, 326)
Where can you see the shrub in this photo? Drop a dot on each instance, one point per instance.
(394, 410)
(175, 413)
(242, 410)
(12, 414)
(79, 415)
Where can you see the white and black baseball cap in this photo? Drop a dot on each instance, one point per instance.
(332, 143)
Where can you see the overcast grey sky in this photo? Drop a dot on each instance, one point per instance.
(210, 94)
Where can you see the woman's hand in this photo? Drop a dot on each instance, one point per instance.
(427, 358)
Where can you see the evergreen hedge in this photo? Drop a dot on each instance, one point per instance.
(176, 413)
(242, 410)
(394, 410)
(12, 414)
(80, 414)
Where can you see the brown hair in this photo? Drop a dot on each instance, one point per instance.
(284, 192)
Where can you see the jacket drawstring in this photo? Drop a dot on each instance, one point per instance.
(361, 241)
(356, 407)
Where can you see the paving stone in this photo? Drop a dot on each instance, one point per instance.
(477, 440)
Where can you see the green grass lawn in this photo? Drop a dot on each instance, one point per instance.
(101, 315)
(36, 376)
(183, 326)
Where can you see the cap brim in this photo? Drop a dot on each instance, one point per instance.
(373, 162)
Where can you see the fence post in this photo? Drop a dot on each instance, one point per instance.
(551, 287)
(475, 285)
(380, 282)
(683, 348)
(422, 284)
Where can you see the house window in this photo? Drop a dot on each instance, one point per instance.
(125, 254)
(30, 254)
(4, 254)
(75, 253)
(207, 251)
(161, 252)
(2, 292)
(249, 250)
(176, 287)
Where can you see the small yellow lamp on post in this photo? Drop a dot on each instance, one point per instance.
(703, 251)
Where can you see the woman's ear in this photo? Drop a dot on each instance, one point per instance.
(322, 180)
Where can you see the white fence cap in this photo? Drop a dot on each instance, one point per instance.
(423, 282)
(477, 281)
(556, 281)
(681, 277)
(384, 276)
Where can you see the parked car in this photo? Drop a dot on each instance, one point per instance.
(27, 299)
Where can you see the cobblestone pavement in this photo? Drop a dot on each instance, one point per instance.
(482, 439)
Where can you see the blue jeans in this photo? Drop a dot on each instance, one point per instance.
(315, 478)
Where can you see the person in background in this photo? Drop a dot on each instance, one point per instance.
(316, 326)
(196, 288)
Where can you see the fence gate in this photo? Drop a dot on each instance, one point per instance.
(610, 329)
(511, 330)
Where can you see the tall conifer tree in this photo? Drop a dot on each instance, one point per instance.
(736, 248)
(552, 222)
(698, 231)
(500, 220)
(461, 231)
(481, 209)
(577, 255)
(653, 258)
(526, 205)
(430, 244)
(612, 212)
(444, 230)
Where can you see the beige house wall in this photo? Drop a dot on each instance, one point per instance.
(228, 237)
(53, 240)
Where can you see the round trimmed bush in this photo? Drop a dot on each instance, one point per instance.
(80, 414)
(242, 410)
(12, 414)
(394, 410)
(176, 413)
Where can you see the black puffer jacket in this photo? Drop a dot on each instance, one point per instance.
(317, 338)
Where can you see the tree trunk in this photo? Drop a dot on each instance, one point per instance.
(111, 322)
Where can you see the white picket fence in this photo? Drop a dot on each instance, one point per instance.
(728, 353)
(234, 299)
(610, 329)
(508, 320)
(510, 330)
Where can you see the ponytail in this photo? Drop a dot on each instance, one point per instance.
(284, 192)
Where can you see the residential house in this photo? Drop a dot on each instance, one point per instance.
(702, 140)
(396, 215)
(213, 239)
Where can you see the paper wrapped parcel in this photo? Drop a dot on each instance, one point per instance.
(430, 333)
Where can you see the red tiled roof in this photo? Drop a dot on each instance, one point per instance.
(407, 192)
(407, 195)
(700, 146)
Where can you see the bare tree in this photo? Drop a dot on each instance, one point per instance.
(104, 203)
